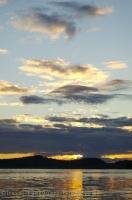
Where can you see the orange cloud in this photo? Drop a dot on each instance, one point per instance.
(7, 88)
(3, 51)
(115, 65)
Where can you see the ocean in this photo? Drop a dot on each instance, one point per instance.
(60, 184)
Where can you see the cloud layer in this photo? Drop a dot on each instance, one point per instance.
(115, 84)
(99, 94)
(30, 134)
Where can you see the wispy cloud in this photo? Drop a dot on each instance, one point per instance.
(64, 99)
(51, 24)
(83, 10)
(7, 88)
(104, 121)
(4, 2)
(31, 119)
(34, 99)
(115, 65)
(115, 84)
(11, 104)
(80, 93)
(74, 89)
(60, 70)
(3, 51)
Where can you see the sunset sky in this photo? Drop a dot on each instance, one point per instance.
(65, 77)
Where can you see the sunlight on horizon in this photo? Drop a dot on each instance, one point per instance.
(118, 156)
(15, 155)
(66, 157)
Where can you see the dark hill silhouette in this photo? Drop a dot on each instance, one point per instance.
(40, 162)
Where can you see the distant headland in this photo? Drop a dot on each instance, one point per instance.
(40, 162)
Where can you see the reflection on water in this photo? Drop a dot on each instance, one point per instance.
(66, 184)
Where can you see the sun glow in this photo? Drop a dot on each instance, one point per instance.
(87, 125)
(120, 156)
(15, 155)
(127, 128)
(66, 157)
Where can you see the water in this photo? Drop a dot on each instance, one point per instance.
(65, 184)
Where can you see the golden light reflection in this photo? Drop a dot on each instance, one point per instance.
(120, 156)
(76, 183)
(66, 157)
(15, 155)
(69, 185)
(76, 180)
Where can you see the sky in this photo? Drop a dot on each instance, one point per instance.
(65, 77)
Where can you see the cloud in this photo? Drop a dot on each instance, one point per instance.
(3, 51)
(3, 2)
(76, 89)
(122, 123)
(91, 98)
(53, 25)
(48, 21)
(30, 136)
(61, 71)
(33, 120)
(83, 10)
(65, 99)
(8, 124)
(115, 65)
(7, 88)
(11, 104)
(80, 93)
(108, 85)
(116, 84)
(34, 99)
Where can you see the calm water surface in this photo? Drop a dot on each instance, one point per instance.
(66, 184)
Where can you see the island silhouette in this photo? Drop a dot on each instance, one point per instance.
(40, 162)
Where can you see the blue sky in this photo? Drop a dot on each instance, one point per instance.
(66, 59)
